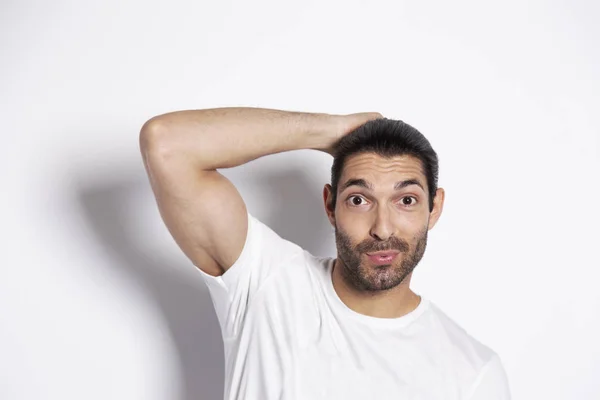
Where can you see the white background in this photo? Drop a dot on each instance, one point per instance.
(98, 302)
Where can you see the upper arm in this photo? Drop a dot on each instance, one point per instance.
(202, 209)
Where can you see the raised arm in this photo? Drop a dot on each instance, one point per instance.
(201, 208)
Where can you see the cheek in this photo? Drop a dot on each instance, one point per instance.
(347, 239)
(410, 224)
(351, 226)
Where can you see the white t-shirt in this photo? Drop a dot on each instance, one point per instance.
(288, 336)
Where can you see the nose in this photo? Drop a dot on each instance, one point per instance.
(382, 227)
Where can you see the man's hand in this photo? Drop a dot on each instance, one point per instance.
(348, 123)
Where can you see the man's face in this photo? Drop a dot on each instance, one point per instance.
(381, 218)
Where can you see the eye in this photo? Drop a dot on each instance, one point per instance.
(356, 197)
(410, 203)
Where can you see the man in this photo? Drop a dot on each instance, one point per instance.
(301, 327)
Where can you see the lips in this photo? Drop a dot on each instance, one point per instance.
(384, 253)
(382, 257)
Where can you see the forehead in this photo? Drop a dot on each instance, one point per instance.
(381, 171)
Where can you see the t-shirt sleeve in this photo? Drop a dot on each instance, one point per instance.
(264, 252)
(492, 382)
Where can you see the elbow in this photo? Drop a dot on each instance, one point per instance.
(151, 136)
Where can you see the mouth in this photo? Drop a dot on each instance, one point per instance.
(387, 253)
(382, 257)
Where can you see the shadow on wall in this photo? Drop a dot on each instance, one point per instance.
(297, 214)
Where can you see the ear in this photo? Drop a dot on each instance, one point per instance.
(438, 206)
(329, 206)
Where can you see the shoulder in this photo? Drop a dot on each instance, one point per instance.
(465, 344)
(468, 357)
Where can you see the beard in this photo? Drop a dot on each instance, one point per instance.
(358, 273)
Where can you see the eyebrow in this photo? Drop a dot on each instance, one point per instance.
(368, 185)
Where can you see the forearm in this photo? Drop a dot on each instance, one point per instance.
(228, 137)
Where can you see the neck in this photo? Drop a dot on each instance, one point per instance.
(391, 303)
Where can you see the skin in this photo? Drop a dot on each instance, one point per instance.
(380, 219)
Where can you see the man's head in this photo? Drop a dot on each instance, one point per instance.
(383, 196)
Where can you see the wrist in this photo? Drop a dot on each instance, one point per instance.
(327, 130)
